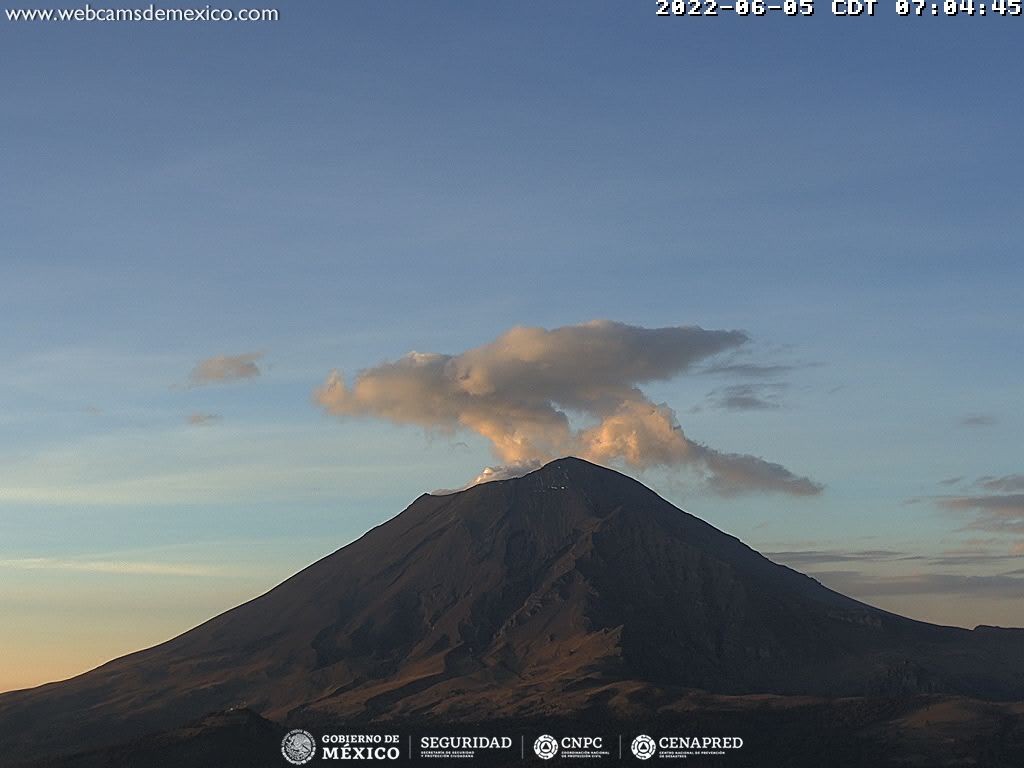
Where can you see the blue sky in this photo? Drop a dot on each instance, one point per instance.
(361, 180)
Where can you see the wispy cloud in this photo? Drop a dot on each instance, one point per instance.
(1004, 484)
(1008, 585)
(977, 420)
(978, 558)
(125, 567)
(819, 556)
(519, 390)
(274, 463)
(997, 512)
(224, 368)
(747, 370)
(995, 502)
(203, 419)
(992, 552)
(746, 397)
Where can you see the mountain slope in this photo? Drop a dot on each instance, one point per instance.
(569, 589)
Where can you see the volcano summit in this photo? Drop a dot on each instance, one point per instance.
(571, 594)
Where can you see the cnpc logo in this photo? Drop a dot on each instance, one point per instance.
(546, 746)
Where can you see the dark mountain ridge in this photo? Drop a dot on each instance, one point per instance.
(571, 589)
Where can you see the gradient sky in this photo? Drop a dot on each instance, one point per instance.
(360, 180)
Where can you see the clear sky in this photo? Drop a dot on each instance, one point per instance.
(360, 180)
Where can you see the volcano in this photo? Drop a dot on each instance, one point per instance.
(573, 591)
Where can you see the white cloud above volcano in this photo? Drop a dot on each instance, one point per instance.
(524, 391)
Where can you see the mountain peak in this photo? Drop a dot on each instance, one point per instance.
(504, 473)
(576, 466)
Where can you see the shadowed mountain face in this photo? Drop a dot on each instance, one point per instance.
(573, 589)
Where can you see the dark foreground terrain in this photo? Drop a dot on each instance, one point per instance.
(573, 597)
(922, 731)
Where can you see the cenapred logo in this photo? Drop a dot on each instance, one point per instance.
(643, 747)
(546, 747)
(298, 747)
